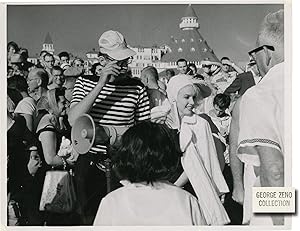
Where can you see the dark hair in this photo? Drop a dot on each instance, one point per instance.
(17, 82)
(225, 58)
(43, 51)
(24, 53)
(192, 65)
(14, 95)
(48, 54)
(171, 71)
(181, 60)
(152, 70)
(57, 68)
(222, 101)
(64, 54)
(148, 152)
(93, 68)
(14, 45)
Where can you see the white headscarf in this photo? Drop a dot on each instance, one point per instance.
(176, 83)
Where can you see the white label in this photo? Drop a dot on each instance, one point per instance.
(273, 200)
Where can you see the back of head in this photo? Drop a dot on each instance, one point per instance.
(147, 153)
(42, 74)
(222, 101)
(272, 33)
(152, 73)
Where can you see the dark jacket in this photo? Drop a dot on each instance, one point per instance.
(241, 84)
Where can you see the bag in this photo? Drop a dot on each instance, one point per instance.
(58, 192)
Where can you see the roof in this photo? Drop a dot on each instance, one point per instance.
(191, 46)
(48, 39)
(189, 12)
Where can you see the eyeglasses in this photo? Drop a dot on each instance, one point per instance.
(252, 52)
(208, 66)
(120, 62)
(28, 80)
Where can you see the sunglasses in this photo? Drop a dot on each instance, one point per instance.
(261, 48)
(208, 66)
(120, 62)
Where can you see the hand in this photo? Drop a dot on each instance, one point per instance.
(111, 69)
(34, 163)
(207, 62)
(238, 195)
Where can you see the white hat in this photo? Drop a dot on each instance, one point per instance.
(113, 44)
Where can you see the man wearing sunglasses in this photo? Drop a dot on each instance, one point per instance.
(257, 127)
(112, 98)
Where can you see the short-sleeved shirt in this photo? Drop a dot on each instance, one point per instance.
(121, 103)
(26, 106)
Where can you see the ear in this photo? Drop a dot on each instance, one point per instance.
(268, 56)
(102, 60)
(39, 82)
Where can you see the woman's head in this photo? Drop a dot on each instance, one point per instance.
(148, 152)
(185, 92)
(12, 48)
(55, 102)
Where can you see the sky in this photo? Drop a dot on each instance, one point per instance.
(230, 30)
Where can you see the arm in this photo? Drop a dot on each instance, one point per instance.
(271, 172)
(48, 141)
(143, 106)
(234, 86)
(79, 107)
(235, 164)
(237, 68)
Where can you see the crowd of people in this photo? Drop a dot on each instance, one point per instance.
(187, 148)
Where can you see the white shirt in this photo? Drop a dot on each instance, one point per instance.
(158, 204)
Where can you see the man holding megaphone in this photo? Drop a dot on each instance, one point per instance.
(115, 101)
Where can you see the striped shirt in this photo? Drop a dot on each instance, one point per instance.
(119, 104)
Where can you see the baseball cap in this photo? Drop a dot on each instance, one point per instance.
(113, 44)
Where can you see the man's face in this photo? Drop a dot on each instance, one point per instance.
(64, 59)
(33, 82)
(78, 63)
(260, 58)
(121, 63)
(219, 111)
(225, 66)
(182, 67)
(11, 51)
(49, 61)
(69, 85)
(144, 78)
(58, 77)
(62, 105)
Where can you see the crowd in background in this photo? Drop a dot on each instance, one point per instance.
(173, 133)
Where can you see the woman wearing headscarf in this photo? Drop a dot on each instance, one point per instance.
(200, 162)
(47, 127)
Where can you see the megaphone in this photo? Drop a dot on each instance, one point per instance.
(85, 134)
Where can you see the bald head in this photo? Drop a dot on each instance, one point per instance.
(271, 33)
(149, 75)
(41, 74)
